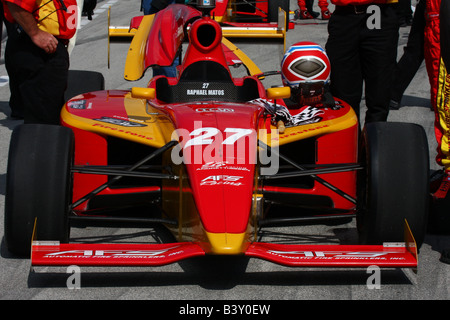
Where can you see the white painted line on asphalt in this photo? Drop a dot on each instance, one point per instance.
(4, 80)
(84, 20)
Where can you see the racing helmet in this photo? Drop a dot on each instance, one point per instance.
(305, 68)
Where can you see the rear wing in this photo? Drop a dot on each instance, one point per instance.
(140, 29)
(268, 30)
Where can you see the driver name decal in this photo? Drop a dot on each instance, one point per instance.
(204, 92)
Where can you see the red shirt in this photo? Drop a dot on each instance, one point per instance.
(50, 15)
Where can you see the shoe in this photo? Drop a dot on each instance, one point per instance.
(326, 15)
(394, 105)
(15, 115)
(305, 15)
(440, 184)
(88, 13)
(445, 256)
(314, 14)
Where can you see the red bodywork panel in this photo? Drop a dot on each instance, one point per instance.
(92, 148)
(167, 34)
(209, 137)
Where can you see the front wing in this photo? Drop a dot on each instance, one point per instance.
(388, 255)
(47, 253)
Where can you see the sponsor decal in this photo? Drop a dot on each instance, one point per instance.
(78, 104)
(221, 180)
(221, 165)
(113, 254)
(364, 255)
(120, 122)
(122, 131)
(214, 110)
(303, 131)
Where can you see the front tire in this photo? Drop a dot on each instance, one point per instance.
(38, 185)
(394, 185)
(81, 81)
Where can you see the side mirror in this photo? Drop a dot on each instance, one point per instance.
(278, 93)
(143, 93)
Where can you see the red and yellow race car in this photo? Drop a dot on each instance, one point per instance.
(201, 154)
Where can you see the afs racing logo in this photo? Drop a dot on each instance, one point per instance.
(221, 180)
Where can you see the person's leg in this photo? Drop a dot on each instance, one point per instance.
(146, 6)
(343, 51)
(378, 56)
(412, 57)
(303, 10)
(15, 102)
(310, 8)
(444, 105)
(43, 82)
(323, 5)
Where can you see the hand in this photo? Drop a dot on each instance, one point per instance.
(45, 41)
(40, 38)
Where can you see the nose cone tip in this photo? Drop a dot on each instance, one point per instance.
(227, 243)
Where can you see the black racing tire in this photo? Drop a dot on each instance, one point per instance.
(272, 14)
(38, 185)
(81, 81)
(394, 184)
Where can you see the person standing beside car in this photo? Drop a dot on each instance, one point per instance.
(412, 57)
(362, 47)
(444, 107)
(36, 53)
(438, 65)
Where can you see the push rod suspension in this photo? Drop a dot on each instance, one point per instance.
(118, 177)
(315, 177)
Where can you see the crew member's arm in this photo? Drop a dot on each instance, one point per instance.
(40, 38)
(445, 32)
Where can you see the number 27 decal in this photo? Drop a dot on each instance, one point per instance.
(203, 136)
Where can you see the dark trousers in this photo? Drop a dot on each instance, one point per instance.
(361, 55)
(413, 54)
(38, 80)
(404, 10)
